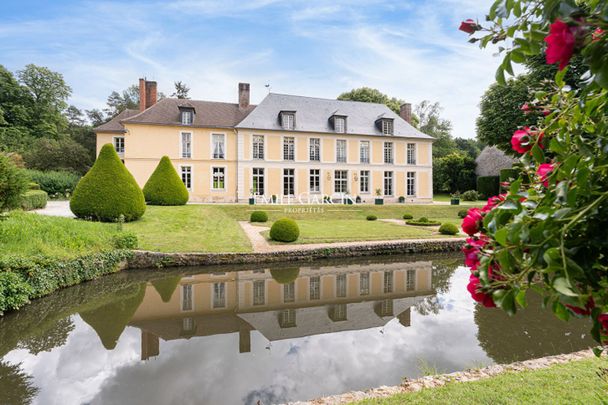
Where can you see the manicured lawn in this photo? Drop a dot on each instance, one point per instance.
(189, 228)
(576, 382)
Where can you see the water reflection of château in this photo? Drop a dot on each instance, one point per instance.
(281, 303)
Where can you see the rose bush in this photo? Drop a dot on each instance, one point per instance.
(547, 233)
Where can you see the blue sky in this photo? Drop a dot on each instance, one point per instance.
(410, 49)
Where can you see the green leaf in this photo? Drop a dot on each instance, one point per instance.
(500, 75)
(521, 298)
(560, 310)
(559, 77)
(556, 146)
(561, 285)
(552, 255)
(538, 154)
(501, 236)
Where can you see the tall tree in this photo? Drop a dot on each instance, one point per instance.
(181, 90)
(431, 123)
(118, 102)
(369, 95)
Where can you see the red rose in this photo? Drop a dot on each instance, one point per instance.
(544, 170)
(494, 272)
(469, 26)
(603, 320)
(560, 43)
(521, 140)
(583, 311)
(597, 34)
(493, 202)
(478, 296)
(472, 222)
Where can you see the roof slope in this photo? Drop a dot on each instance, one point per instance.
(114, 124)
(207, 113)
(312, 115)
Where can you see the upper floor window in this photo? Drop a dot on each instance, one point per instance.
(187, 117)
(289, 292)
(315, 149)
(388, 152)
(258, 147)
(119, 144)
(341, 150)
(364, 151)
(186, 145)
(288, 120)
(218, 141)
(411, 153)
(289, 148)
(340, 124)
(187, 298)
(387, 126)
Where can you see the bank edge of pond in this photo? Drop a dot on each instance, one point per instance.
(434, 381)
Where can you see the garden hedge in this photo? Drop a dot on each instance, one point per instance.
(448, 229)
(408, 216)
(371, 218)
(487, 186)
(508, 174)
(165, 187)
(108, 191)
(55, 183)
(423, 221)
(284, 230)
(258, 216)
(13, 183)
(285, 276)
(34, 200)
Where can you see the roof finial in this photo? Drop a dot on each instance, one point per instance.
(268, 87)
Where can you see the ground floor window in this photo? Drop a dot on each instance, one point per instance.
(315, 180)
(258, 181)
(388, 282)
(219, 295)
(186, 172)
(341, 181)
(289, 182)
(364, 181)
(219, 178)
(315, 288)
(388, 183)
(411, 184)
(410, 281)
(341, 285)
(259, 292)
(364, 284)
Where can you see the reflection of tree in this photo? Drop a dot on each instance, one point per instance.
(442, 272)
(532, 332)
(285, 275)
(15, 385)
(166, 286)
(47, 340)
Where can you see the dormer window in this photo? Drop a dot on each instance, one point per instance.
(186, 114)
(338, 122)
(387, 127)
(288, 120)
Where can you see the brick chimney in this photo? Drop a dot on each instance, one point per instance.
(405, 112)
(243, 95)
(147, 94)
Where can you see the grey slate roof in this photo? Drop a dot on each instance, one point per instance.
(312, 115)
(114, 124)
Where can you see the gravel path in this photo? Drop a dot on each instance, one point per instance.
(56, 209)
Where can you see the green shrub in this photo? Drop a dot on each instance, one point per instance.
(34, 200)
(372, 217)
(487, 186)
(463, 213)
(166, 286)
(448, 229)
(408, 216)
(258, 216)
(285, 276)
(55, 183)
(33, 186)
(165, 187)
(284, 230)
(423, 219)
(13, 183)
(14, 291)
(108, 191)
(508, 175)
(423, 222)
(470, 195)
(125, 240)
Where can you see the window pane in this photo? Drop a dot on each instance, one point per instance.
(218, 146)
(364, 284)
(187, 299)
(388, 183)
(258, 181)
(288, 148)
(341, 285)
(219, 295)
(315, 180)
(258, 147)
(288, 182)
(388, 281)
(364, 181)
(411, 153)
(388, 152)
(364, 151)
(259, 292)
(186, 172)
(410, 283)
(186, 145)
(315, 288)
(341, 181)
(411, 184)
(341, 150)
(315, 149)
(289, 292)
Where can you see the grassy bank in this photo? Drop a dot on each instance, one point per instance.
(576, 382)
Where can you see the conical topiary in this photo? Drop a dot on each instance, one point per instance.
(108, 191)
(166, 286)
(165, 187)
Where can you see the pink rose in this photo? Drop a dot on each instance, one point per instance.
(521, 142)
(472, 252)
(478, 296)
(469, 26)
(493, 202)
(543, 171)
(525, 108)
(597, 34)
(472, 222)
(560, 43)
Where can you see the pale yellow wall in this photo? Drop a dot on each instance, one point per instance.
(399, 186)
(302, 148)
(274, 181)
(423, 151)
(302, 177)
(399, 148)
(353, 150)
(328, 149)
(104, 138)
(378, 181)
(377, 151)
(425, 189)
(327, 178)
(274, 146)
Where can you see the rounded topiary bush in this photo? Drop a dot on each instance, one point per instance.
(372, 217)
(408, 216)
(258, 216)
(423, 219)
(463, 213)
(284, 230)
(165, 187)
(108, 191)
(448, 229)
(285, 276)
(470, 195)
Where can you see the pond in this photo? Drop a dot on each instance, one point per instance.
(242, 334)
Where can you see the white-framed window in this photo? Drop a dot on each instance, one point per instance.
(364, 151)
(187, 298)
(338, 312)
(289, 178)
(259, 292)
(315, 288)
(387, 127)
(410, 186)
(340, 124)
(341, 181)
(219, 146)
(411, 153)
(186, 173)
(388, 152)
(287, 318)
(315, 149)
(315, 181)
(388, 281)
(258, 147)
(410, 280)
(341, 285)
(186, 145)
(288, 121)
(187, 324)
(386, 308)
(364, 181)
(119, 144)
(219, 295)
(341, 150)
(388, 183)
(289, 148)
(289, 292)
(218, 178)
(187, 117)
(364, 283)
(258, 181)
